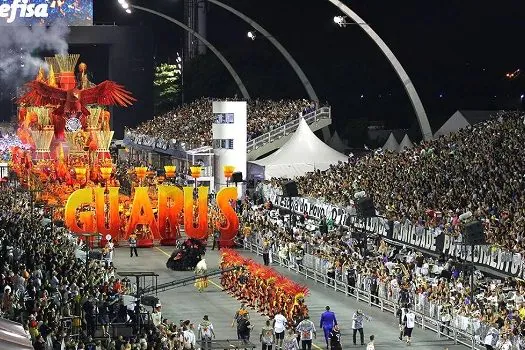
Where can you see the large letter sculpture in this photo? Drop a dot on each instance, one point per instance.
(199, 229)
(229, 230)
(75, 202)
(171, 200)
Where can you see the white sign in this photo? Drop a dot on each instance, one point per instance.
(23, 8)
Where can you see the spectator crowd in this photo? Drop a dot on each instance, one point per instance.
(65, 301)
(190, 124)
(479, 169)
(437, 287)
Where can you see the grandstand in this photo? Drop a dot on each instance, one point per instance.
(188, 127)
(477, 169)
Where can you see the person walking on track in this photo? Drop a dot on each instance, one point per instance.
(335, 339)
(306, 329)
(132, 240)
(267, 336)
(400, 313)
(327, 323)
(409, 322)
(279, 326)
(371, 345)
(357, 326)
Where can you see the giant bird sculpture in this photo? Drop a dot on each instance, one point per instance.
(72, 103)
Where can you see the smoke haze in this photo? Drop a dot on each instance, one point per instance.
(16, 46)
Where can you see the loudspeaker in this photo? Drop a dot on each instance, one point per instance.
(290, 189)
(474, 233)
(365, 207)
(149, 300)
(236, 177)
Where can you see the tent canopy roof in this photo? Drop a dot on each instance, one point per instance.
(302, 153)
(391, 143)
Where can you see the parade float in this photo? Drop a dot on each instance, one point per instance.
(64, 125)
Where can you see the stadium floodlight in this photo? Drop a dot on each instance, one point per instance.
(121, 1)
(128, 11)
(340, 21)
(125, 5)
(251, 35)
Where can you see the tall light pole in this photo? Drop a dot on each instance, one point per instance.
(422, 119)
(180, 61)
(127, 7)
(295, 66)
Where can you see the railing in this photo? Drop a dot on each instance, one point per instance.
(381, 299)
(174, 148)
(288, 128)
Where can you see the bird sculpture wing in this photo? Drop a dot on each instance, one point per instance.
(107, 93)
(39, 93)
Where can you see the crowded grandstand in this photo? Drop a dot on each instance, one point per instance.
(190, 125)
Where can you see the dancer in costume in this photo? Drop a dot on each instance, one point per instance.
(202, 282)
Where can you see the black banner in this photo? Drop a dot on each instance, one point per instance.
(424, 239)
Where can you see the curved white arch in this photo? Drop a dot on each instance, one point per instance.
(224, 61)
(424, 125)
(304, 80)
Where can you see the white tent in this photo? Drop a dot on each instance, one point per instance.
(336, 142)
(405, 143)
(13, 336)
(302, 153)
(391, 144)
(462, 119)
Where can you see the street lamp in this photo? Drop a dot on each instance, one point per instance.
(105, 172)
(228, 172)
(80, 173)
(125, 6)
(170, 171)
(340, 21)
(140, 171)
(195, 173)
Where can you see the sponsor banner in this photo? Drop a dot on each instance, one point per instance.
(46, 12)
(313, 208)
(426, 240)
(494, 258)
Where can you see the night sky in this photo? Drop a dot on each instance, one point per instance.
(457, 53)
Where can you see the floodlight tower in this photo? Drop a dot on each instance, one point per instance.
(195, 15)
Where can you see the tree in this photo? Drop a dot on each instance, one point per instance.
(167, 87)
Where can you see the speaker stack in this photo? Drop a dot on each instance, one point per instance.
(365, 207)
(474, 233)
(290, 189)
(236, 177)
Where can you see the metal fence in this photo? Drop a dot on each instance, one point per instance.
(288, 128)
(461, 330)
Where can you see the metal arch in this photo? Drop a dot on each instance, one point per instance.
(224, 61)
(403, 76)
(304, 80)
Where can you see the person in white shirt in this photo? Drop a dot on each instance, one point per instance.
(370, 345)
(156, 316)
(409, 322)
(505, 343)
(188, 338)
(492, 337)
(279, 326)
(206, 332)
(306, 330)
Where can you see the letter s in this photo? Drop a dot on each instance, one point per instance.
(229, 231)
